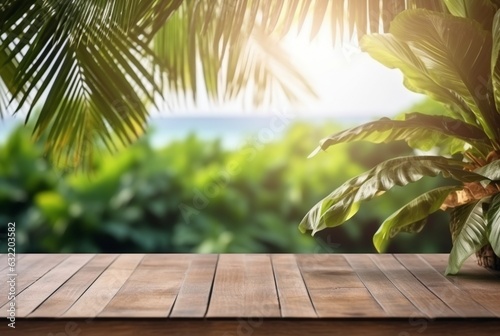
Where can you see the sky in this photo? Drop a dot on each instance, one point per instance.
(348, 82)
(351, 87)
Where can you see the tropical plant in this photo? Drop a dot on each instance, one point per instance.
(97, 67)
(454, 59)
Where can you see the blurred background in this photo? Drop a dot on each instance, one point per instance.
(214, 184)
(213, 178)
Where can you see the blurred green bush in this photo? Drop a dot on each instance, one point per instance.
(195, 196)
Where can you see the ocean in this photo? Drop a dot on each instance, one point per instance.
(231, 130)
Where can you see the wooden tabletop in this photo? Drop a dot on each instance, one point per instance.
(253, 294)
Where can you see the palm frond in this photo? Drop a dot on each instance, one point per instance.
(493, 218)
(347, 19)
(443, 56)
(93, 60)
(88, 63)
(420, 131)
(224, 50)
(344, 202)
(469, 231)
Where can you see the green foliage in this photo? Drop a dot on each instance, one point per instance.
(420, 131)
(469, 233)
(453, 59)
(344, 202)
(95, 66)
(412, 217)
(190, 196)
(493, 220)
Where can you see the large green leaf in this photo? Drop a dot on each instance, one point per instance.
(344, 202)
(445, 56)
(493, 217)
(481, 11)
(457, 52)
(420, 131)
(394, 53)
(491, 170)
(412, 217)
(470, 232)
(89, 65)
(495, 60)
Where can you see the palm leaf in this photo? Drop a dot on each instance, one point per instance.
(481, 11)
(491, 170)
(7, 84)
(493, 216)
(197, 53)
(89, 63)
(444, 56)
(394, 53)
(456, 52)
(420, 131)
(412, 217)
(495, 60)
(470, 231)
(347, 19)
(344, 202)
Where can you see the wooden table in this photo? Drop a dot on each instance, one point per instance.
(254, 294)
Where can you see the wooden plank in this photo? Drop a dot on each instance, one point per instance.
(35, 294)
(261, 298)
(194, 295)
(248, 327)
(228, 297)
(28, 270)
(327, 271)
(381, 288)
(152, 289)
(292, 292)
(450, 294)
(244, 287)
(481, 285)
(100, 293)
(426, 301)
(335, 289)
(71, 290)
(3, 261)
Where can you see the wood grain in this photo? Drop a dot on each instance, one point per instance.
(458, 300)
(35, 294)
(481, 285)
(102, 291)
(266, 327)
(292, 292)
(62, 299)
(394, 303)
(427, 302)
(228, 295)
(335, 289)
(3, 261)
(244, 286)
(252, 294)
(29, 269)
(152, 288)
(194, 295)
